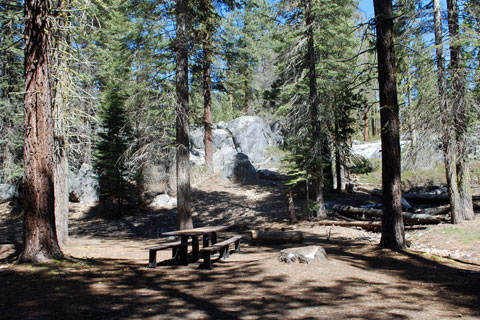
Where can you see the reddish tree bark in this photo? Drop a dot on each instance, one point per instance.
(393, 235)
(40, 239)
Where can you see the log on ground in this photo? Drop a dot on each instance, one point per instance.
(409, 218)
(276, 237)
(361, 224)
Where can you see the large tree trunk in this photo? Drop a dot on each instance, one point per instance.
(183, 166)
(60, 126)
(393, 234)
(315, 123)
(40, 238)
(464, 210)
(446, 114)
(205, 8)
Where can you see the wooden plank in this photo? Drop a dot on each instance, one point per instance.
(166, 245)
(196, 231)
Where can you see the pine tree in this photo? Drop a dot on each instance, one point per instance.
(457, 74)
(393, 235)
(184, 210)
(40, 238)
(11, 84)
(115, 136)
(316, 66)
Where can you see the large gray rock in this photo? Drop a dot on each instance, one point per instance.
(419, 156)
(222, 139)
(239, 169)
(222, 156)
(83, 187)
(164, 201)
(422, 156)
(368, 150)
(197, 157)
(252, 136)
(8, 192)
(197, 136)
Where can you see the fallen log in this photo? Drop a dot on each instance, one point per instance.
(408, 218)
(276, 237)
(441, 210)
(361, 224)
(377, 192)
(427, 198)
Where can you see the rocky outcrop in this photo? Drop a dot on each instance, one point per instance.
(253, 137)
(414, 156)
(8, 192)
(239, 169)
(83, 187)
(236, 144)
(164, 201)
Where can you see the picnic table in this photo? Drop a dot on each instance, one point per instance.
(209, 233)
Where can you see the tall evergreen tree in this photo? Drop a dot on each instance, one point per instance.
(40, 238)
(184, 209)
(448, 142)
(465, 205)
(393, 235)
(313, 108)
(11, 83)
(115, 136)
(60, 97)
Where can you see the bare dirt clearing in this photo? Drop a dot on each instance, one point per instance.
(106, 276)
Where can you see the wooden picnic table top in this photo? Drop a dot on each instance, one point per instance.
(195, 231)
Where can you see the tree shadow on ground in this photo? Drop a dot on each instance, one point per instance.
(242, 289)
(359, 281)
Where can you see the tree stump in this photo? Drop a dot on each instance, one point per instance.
(310, 254)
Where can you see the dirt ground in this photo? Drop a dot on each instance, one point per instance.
(105, 274)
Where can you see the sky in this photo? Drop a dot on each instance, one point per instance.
(366, 6)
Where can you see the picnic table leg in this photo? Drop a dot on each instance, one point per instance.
(152, 259)
(184, 250)
(194, 248)
(205, 240)
(214, 237)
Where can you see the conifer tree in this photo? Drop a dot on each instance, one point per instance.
(39, 238)
(393, 235)
(184, 209)
(457, 75)
(115, 136)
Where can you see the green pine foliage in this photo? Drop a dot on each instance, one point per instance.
(336, 51)
(114, 138)
(11, 89)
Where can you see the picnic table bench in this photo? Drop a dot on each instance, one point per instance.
(152, 257)
(223, 247)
